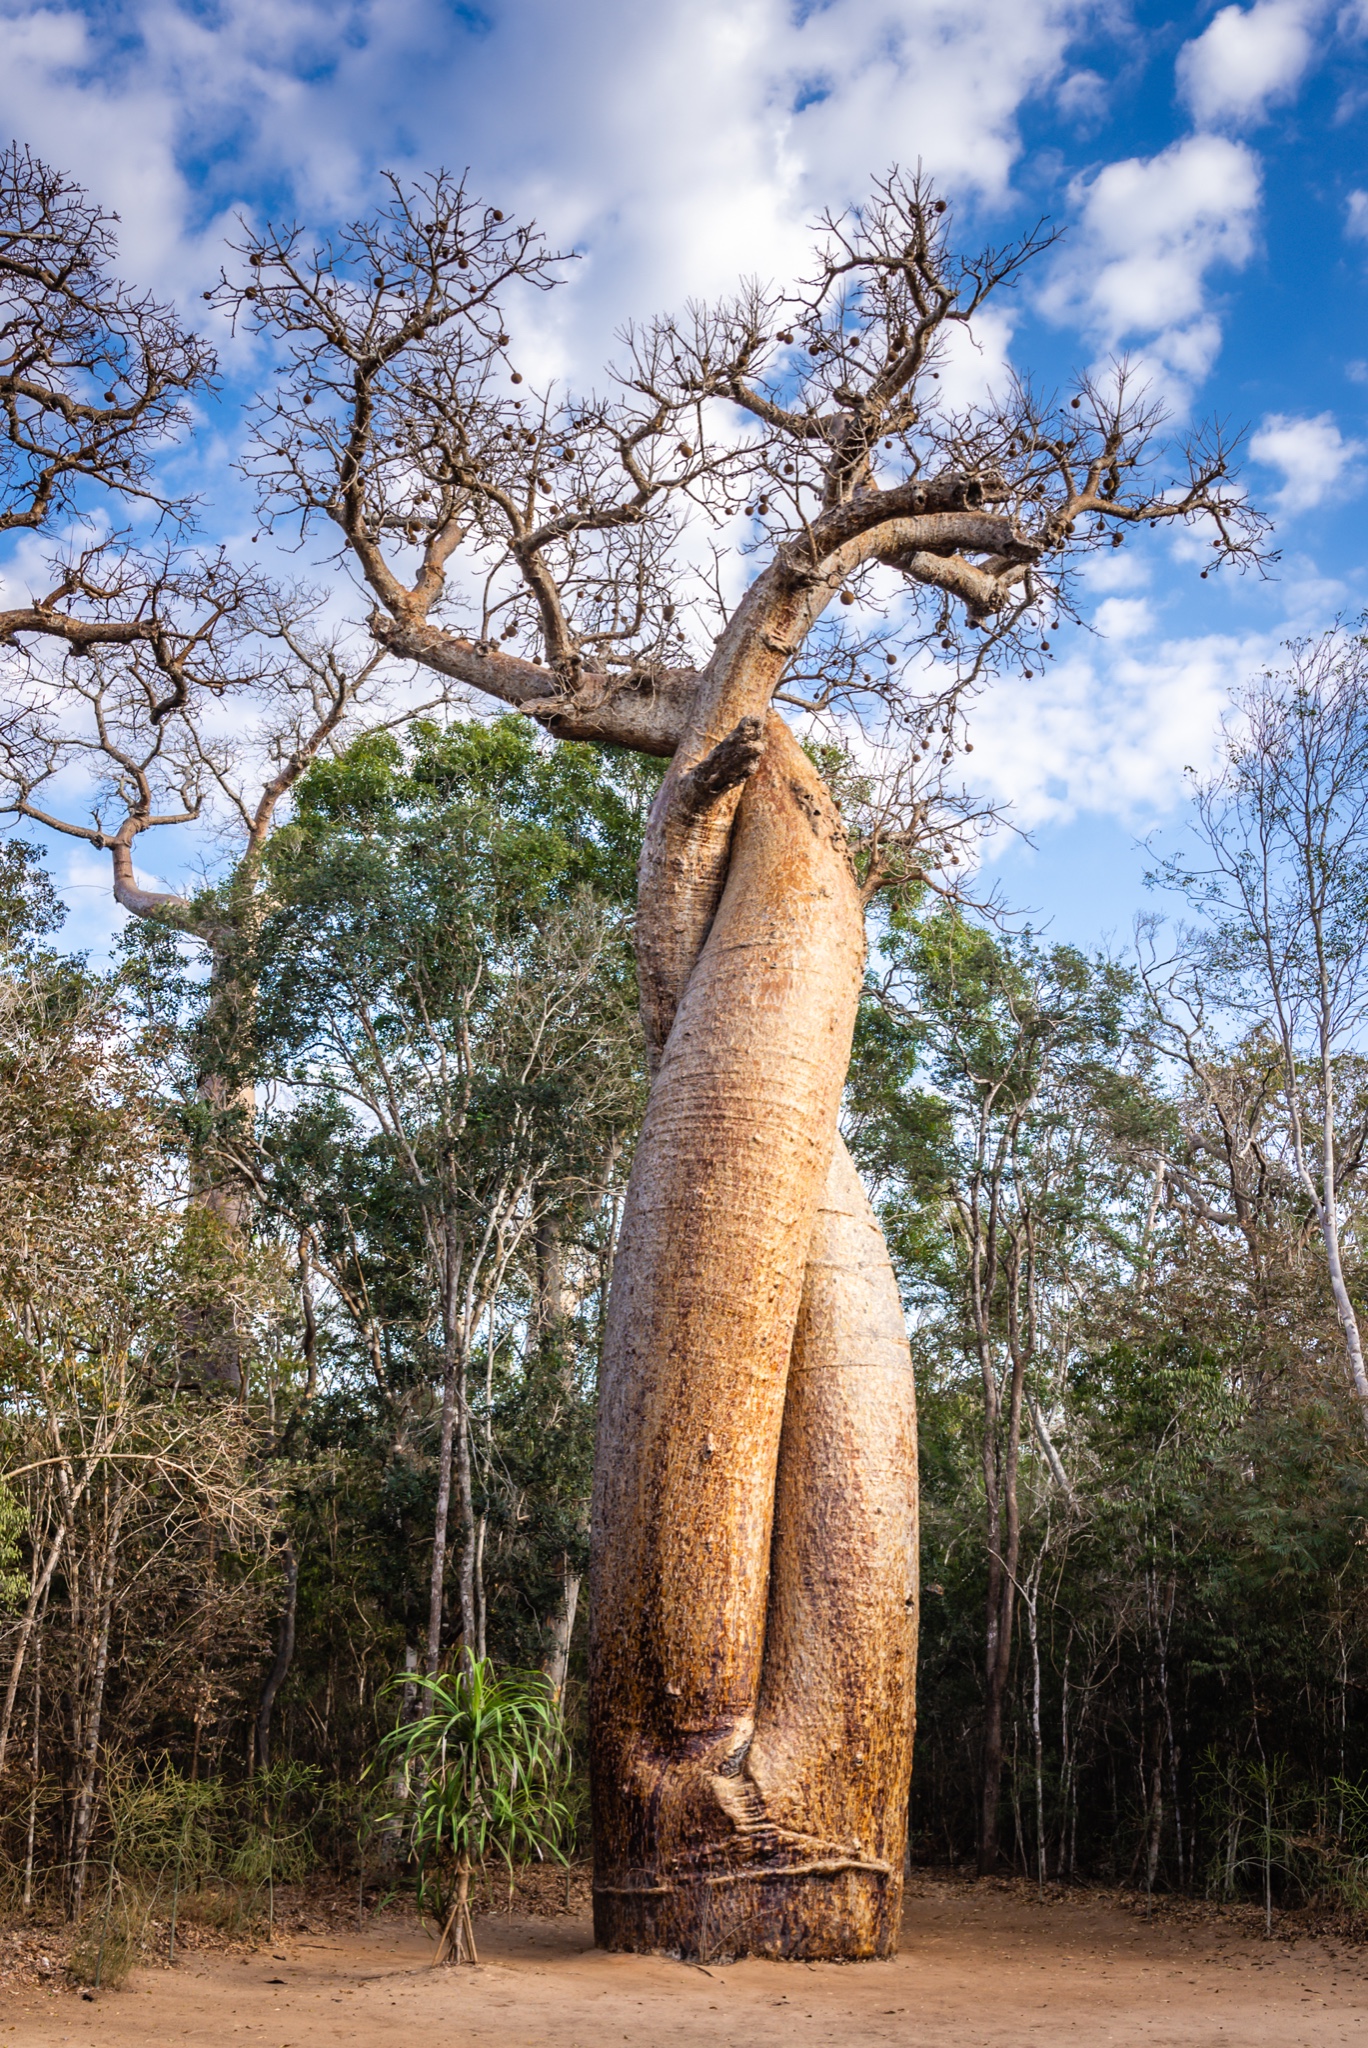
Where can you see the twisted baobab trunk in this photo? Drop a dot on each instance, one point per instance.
(754, 1574)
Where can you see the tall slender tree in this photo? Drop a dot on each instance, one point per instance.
(1280, 878)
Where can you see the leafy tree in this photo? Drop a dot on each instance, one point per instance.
(484, 1771)
(982, 1075)
(1281, 884)
(445, 983)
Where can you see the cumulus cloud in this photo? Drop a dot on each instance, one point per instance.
(1312, 456)
(1356, 210)
(1109, 730)
(1082, 97)
(1123, 618)
(1246, 59)
(1136, 274)
(677, 145)
(114, 132)
(940, 79)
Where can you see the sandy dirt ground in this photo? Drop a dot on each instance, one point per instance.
(980, 1968)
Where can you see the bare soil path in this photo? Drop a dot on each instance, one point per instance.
(981, 1967)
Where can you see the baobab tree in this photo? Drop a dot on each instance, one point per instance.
(754, 1547)
(874, 552)
(773, 511)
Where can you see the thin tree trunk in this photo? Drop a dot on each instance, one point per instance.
(1047, 1444)
(35, 1760)
(37, 1595)
(990, 1761)
(1171, 1738)
(465, 1503)
(306, 1305)
(1155, 1827)
(453, 1409)
(1344, 1306)
(552, 1332)
(481, 1615)
(1037, 1740)
(560, 1629)
(994, 1686)
(998, 1647)
(1066, 1770)
(454, 1465)
(284, 1656)
(104, 1611)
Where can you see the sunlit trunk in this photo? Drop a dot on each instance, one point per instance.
(753, 1598)
(560, 1631)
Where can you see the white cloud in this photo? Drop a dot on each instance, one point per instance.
(1312, 455)
(678, 144)
(1247, 58)
(1114, 574)
(1356, 208)
(1135, 273)
(976, 364)
(1123, 618)
(942, 80)
(113, 133)
(1082, 97)
(1108, 730)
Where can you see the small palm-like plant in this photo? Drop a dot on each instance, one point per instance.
(484, 1774)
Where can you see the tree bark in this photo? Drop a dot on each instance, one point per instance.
(553, 1331)
(1004, 1555)
(753, 1598)
(92, 1720)
(560, 1630)
(452, 1405)
(37, 1594)
(284, 1656)
(453, 1464)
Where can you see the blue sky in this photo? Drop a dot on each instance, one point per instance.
(1208, 165)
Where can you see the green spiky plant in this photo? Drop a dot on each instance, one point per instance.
(484, 1776)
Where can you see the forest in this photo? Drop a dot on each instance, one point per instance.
(312, 1192)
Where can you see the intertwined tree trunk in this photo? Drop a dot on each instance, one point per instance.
(753, 1582)
(754, 1605)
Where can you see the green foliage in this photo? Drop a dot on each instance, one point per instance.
(29, 905)
(276, 1842)
(1200, 1591)
(445, 979)
(1200, 1586)
(485, 1771)
(13, 1528)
